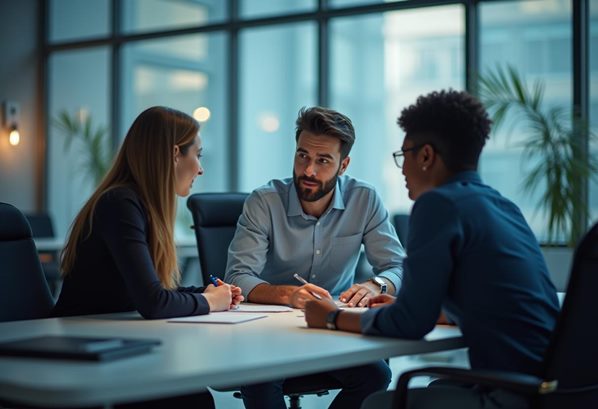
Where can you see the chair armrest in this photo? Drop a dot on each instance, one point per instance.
(512, 381)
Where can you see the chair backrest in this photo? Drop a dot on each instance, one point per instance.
(571, 357)
(401, 224)
(41, 225)
(24, 292)
(215, 218)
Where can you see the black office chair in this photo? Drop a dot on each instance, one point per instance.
(215, 218)
(24, 292)
(42, 228)
(401, 225)
(569, 378)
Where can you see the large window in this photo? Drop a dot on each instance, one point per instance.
(78, 19)
(535, 38)
(250, 65)
(78, 85)
(380, 63)
(187, 73)
(277, 77)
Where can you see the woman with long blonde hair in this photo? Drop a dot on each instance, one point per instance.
(120, 254)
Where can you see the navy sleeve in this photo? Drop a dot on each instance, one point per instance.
(122, 225)
(435, 236)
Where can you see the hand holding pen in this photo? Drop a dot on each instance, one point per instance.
(298, 298)
(236, 296)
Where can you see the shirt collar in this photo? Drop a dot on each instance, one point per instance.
(466, 176)
(295, 208)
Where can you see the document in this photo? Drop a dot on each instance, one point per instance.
(223, 317)
(262, 308)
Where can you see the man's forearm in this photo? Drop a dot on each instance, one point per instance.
(271, 294)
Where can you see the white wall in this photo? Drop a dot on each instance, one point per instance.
(18, 83)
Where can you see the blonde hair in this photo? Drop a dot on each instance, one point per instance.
(145, 163)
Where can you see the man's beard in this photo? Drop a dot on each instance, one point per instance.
(313, 194)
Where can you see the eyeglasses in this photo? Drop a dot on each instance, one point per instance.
(399, 156)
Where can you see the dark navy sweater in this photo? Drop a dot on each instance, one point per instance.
(114, 272)
(471, 252)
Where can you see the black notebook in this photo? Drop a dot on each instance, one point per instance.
(79, 348)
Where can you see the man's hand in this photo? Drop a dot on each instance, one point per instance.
(317, 311)
(380, 300)
(359, 294)
(305, 293)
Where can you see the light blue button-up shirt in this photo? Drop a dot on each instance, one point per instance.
(275, 238)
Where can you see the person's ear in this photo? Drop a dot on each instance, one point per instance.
(344, 165)
(428, 156)
(177, 153)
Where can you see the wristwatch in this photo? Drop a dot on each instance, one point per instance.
(380, 283)
(331, 319)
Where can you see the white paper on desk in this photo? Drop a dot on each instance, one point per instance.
(224, 317)
(262, 308)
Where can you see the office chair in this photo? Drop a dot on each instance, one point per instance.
(24, 292)
(42, 227)
(215, 218)
(569, 378)
(401, 225)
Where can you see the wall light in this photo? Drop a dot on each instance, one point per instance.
(11, 122)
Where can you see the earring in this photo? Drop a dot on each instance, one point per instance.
(424, 168)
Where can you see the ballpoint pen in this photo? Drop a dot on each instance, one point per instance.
(218, 282)
(302, 280)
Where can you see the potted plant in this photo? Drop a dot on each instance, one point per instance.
(94, 146)
(556, 138)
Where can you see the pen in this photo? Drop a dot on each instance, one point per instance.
(302, 280)
(218, 282)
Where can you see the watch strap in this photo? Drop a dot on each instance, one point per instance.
(331, 319)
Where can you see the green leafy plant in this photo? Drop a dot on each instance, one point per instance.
(555, 147)
(93, 142)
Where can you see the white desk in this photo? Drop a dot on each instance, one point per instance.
(192, 357)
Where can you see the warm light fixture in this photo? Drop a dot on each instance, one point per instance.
(202, 114)
(11, 121)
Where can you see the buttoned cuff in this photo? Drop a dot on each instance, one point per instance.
(394, 277)
(247, 283)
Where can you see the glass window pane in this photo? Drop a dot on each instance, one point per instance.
(149, 15)
(78, 19)
(593, 97)
(263, 8)
(277, 78)
(185, 73)
(535, 38)
(350, 3)
(79, 83)
(380, 63)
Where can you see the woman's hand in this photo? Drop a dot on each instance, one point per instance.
(380, 300)
(219, 298)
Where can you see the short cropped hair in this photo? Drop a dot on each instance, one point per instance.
(319, 120)
(455, 123)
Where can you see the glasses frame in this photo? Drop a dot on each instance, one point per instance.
(399, 156)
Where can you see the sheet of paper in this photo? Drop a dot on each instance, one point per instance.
(224, 317)
(262, 308)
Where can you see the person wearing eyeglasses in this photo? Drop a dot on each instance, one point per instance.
(470, 252)
(310, 228)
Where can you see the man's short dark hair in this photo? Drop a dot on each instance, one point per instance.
(455, 123)
(319, 120)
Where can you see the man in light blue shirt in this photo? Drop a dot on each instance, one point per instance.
(314, 225)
